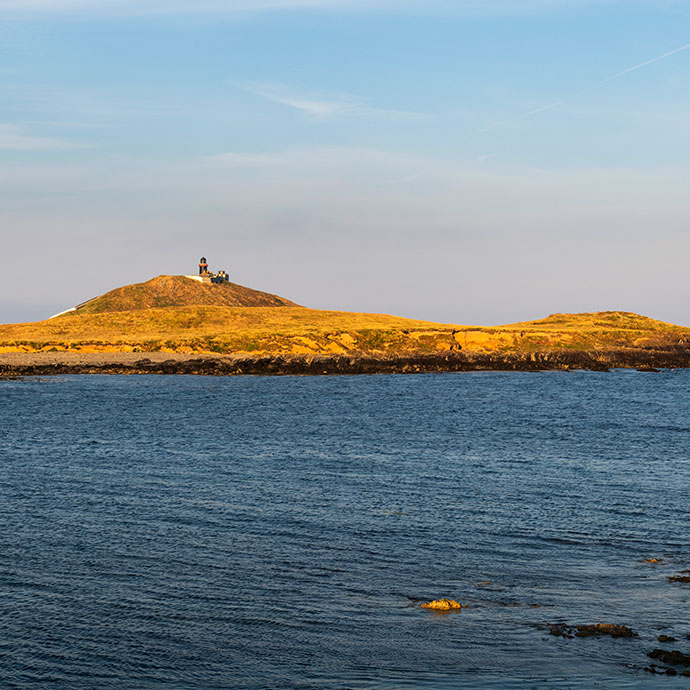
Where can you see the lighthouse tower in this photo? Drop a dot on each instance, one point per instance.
(206, 276)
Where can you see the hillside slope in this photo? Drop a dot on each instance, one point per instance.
(296, 330)
(199, 329)
(585, 331)
(178, 291)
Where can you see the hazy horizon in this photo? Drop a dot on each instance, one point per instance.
(464, 162)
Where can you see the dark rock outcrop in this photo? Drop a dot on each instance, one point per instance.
(306, 365)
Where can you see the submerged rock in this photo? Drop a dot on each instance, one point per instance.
(604, 629)
(595, 630)
(666, 638)
(674, 657)
(561, 631)
(653, 668)
(444, 605)
(683, 577)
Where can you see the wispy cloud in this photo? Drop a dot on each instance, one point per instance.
(489, 156)
(321, 107)
(13, 139)
(312, 106)
(246, 159)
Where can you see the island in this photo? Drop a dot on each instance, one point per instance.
(206, 324)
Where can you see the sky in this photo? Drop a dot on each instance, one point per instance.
(464, 161)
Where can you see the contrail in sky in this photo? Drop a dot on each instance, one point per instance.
(594, 86)
(642, 64)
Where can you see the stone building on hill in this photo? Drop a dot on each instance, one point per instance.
(206, 276)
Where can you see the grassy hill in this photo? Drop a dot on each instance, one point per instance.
(293, 330)
(179, 291)
(586, 331)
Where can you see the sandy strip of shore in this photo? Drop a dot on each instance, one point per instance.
(96, 359)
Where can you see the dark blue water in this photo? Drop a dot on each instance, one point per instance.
(190, 532)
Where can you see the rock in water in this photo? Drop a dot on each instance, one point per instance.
(666, 638)
(604, 629)
(683, 577)
(591, 630)
(444, 605)
(675, 657)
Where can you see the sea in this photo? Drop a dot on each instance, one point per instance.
(281, 532)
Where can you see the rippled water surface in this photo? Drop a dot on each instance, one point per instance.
(191, 532)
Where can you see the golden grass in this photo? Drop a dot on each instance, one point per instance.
(273, 330)
(215, 329)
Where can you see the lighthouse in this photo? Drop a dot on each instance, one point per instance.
(206, 276)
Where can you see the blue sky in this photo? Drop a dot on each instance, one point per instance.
(464, 161)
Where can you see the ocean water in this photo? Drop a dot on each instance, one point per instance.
(194, 532)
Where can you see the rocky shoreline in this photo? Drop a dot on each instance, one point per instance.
(55, 363)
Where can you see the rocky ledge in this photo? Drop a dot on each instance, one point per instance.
(48, 363)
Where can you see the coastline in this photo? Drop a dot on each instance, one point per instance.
(13, 364)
